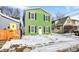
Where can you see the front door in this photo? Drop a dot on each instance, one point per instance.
(40, 30)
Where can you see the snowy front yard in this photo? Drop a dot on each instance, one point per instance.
(46, 43)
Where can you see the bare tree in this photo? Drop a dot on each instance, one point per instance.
(59, 15)
(16, 13)
(9, 11)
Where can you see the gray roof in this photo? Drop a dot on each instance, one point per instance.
(39, 9)
(61, 21)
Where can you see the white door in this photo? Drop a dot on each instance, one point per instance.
(40, 30)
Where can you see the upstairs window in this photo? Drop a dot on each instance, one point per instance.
(46, 18)
(32, 16)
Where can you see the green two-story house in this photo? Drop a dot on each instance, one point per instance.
(37, 21)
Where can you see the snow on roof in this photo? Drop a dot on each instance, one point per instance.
(76, 17)
(16, 20)
(73, 15)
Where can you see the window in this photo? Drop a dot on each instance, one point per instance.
(12, 26)
(46, 29)
(58, 27)
(46, 18)
(39, 27)
(32, 29)
(8, 27)
(32, 16)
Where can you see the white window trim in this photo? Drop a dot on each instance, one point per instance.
(47, 18)
(34, 15)
(31, 29)
(45, 29)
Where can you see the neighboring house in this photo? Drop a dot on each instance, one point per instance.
(37, 21)
(64, 25)
(8, 22)
(75, 24)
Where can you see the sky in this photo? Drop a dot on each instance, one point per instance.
(54, 10)
(59, 9)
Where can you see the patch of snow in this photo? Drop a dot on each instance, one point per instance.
(29, 41)
(61, 37)
(55, 47)
(46, 42)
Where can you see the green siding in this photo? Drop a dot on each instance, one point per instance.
(38, 22)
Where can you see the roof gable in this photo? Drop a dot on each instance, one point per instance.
(61, 21)
(39, 9)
